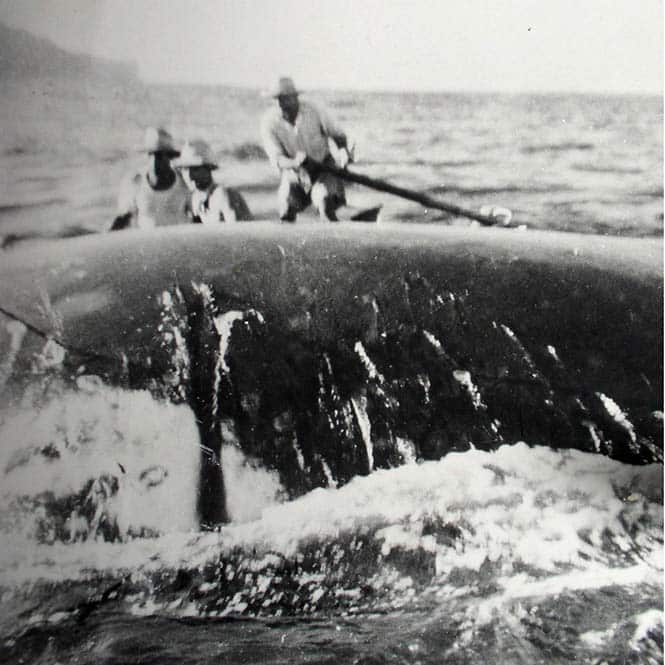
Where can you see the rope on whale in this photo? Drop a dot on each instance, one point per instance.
(94, 355)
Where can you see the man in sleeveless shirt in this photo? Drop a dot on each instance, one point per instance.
(295, 135)
(156, 196)
(210, 201)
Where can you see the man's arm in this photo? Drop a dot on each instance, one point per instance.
(220, 205)
(127, 209)
(332, 129)
(284, 162)
(275, 150)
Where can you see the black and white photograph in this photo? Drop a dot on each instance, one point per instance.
(331, 332)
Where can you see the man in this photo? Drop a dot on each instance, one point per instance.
(295, 135)
(157, 196)
(210, 201)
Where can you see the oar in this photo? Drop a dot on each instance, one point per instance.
(418, 197)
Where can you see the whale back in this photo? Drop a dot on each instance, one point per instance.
(331, 351)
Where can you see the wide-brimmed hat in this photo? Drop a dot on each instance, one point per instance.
(284, 87)
(195, 153)
(157, 139)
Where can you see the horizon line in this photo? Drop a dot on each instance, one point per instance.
(424, 91)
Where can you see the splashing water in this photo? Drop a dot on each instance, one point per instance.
(100, 463)
(481, 542)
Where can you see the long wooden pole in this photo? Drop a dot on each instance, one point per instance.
(411, 195)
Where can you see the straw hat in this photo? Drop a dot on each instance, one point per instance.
(157, 139)
(195, 153)
(284, 87)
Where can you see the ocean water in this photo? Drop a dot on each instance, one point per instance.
(583, 163)
(519, 555)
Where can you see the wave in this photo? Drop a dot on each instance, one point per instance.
(114, 157)
(9, 240)
(420, 162)
(43, 203)
(347, 103)
(557, 147)
(42, 178)
(502, 189)
(98, 463)
(655, 193)
(383, 541)
(19, 151)
(258, 187)
(27, 149)
(601, 168)
(103, 201)
(87, 466)
(624, 230)
(246, 152)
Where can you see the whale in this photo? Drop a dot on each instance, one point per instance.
(331, 351)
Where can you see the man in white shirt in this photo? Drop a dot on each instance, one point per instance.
(296, 136)
(157, 196)
(210, 202)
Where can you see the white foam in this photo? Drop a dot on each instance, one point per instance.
(17, 332)
(593, 433)
(598, 638)
(646, 622)
(249, 488)
(328, 474)
(367, 362)
(360, 409)
(172, 328)
(433, 341)
(51, 356)
(464, 378)
(97, 432)
(406, 449)
(425, 382)
(299, 456)
(224, 326)
(508, 332)
(551, 511)
(552, 351)
(614, 410)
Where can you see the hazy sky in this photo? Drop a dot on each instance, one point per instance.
(514, 45)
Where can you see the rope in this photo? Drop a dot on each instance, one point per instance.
(84, 353)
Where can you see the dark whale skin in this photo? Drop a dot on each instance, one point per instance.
(443, 337)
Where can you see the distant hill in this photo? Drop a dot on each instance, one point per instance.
(24, 55)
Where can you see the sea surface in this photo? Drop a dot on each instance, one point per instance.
(519, 555)
(592, 164)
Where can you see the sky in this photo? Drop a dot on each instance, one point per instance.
(613, 46)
